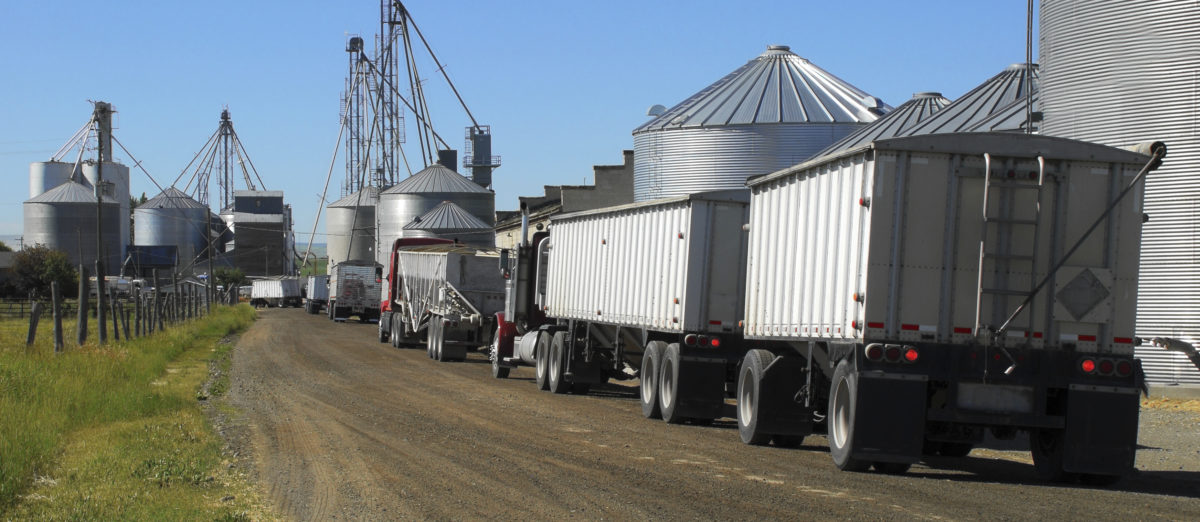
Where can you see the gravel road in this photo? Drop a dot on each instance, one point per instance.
(334, 425)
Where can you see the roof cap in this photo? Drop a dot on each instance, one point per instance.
(447, 216)
(436, 178)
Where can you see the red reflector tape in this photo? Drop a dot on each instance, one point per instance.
(1087, 338)
(874, 325)
(961, 330)
(717, 323)
(910, 327)
(1123, 340)
(1037, 335)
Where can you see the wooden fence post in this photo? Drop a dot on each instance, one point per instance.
(81, 329)
(56, 308)
(124, 320)
(112, 305)
(34, 315)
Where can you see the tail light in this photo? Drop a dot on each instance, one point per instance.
(911, 355)
(1106, 367)
(892, 353)
(690, 339)
(874, 352)
(1087, 365)
(1124, 368)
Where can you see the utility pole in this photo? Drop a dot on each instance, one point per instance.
(103, 119)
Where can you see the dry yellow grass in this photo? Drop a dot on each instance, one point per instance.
(1161, 403)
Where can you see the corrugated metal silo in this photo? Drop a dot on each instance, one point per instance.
(117, 175)
(45, 175)
(776, 111)
(64, 218)
(350, 227)
(450, 221)
(997, 94)
(172, 218)
(910, 113)
(1122, 72)
(419, 194)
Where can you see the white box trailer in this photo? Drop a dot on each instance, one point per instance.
(947, 285)
(316, 293)
(281, 292)
(447, 292)
(354, 290)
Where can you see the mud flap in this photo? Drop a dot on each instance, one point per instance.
(1101, 430)
(781, 385)
(889, 422)
(701, 386)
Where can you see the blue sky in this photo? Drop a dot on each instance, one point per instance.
(562, 83)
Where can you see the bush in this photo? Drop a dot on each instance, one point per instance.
(34, 268)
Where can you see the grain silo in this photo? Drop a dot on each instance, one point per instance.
(45, 175)
(350, 227)
(1122, 72)
(173, 218)
(910, 113)
(420, 193)
(776, 111)
(64, 218)
(998, 94)
(116, 185)
(450, 221)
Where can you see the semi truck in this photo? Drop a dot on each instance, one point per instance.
(444, 292)
(278, 291)
(354, 291)
(316, 294)
(905, 298)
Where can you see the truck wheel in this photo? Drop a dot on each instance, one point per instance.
(499, 372)
(843, 405)
(541, 360)
(431, 337)
(396, 333)
(668, 385)
(749, 397)
(383, 334)
(649, 376)
(558, 363)
(1047, 447)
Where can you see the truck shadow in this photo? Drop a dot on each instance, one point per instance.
(981, 469)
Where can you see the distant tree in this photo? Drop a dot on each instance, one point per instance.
(230, 277)
(35, 267)
(4, 247)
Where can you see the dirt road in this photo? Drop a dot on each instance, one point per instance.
(338, 426)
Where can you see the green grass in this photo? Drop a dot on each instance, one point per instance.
(317, 266)
(115, 432)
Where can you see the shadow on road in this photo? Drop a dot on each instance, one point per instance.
(975, 469)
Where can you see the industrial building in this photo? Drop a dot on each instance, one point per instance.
(263, 244)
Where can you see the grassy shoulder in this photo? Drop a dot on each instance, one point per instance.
(116, 432)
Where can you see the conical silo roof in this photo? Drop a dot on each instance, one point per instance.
(997, 93)
(910, 113)
(435, 178)
(171, 197)
(70, 192)
(1010, 118)
(776, 87)
(366, 197)
(447, 216)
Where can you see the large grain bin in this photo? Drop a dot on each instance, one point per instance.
(776, 111)
(350, 227)
(175, 219)
(420, 193)
(997, 94)
(450, 221)
(116, 184)
(1122, 72)
(45, 175)
(64, 218)
(910, 113)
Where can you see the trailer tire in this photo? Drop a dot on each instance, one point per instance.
(499, 372)
(749, 397)
(668, 385)
(649, 379)
(394, 337)
(383, 334)
(541, 361)
(1048, 447)
(558, 363)
(843, 406)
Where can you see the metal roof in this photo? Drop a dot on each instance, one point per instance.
(994, 95)
(1011, 117)
(914, 111)
(70, 192)
(776, 87)
(171, 197)
(447, 216)
(366, 197)
(435, 178)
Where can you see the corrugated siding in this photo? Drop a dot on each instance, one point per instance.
(1122, 72)
(645, 266)
(676, 162)
(807, 253)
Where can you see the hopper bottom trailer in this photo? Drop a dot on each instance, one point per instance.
(904, 298)
(354, 290)
(444, 293)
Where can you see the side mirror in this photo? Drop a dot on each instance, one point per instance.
(505, 268)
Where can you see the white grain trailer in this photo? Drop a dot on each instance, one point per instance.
(920, 291)
(445, 293)
(279, 291)
(316, 293)
(354, 288)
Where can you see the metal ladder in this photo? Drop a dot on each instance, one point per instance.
(995, 246)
